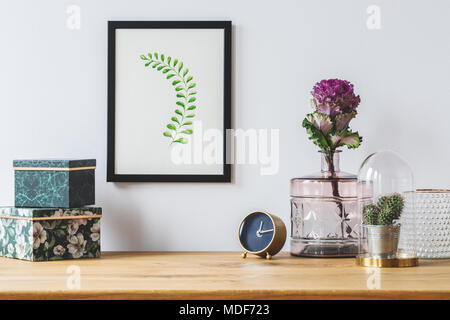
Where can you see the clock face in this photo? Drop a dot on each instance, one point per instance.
(256, 232)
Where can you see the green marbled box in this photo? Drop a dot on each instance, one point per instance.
(40, 234)
(54, 183)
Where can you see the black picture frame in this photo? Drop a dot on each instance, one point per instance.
(112, 176)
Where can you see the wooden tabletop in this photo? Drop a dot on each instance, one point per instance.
(218, 275)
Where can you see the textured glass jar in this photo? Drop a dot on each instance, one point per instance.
(433, 223)
(324, 212)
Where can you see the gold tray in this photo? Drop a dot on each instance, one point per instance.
(400, 262)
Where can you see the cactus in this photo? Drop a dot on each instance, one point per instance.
(386, 217)
(395, 204)
(382, 201)
(388, 209)
(371, 213)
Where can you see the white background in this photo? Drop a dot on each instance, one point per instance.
(53, 101)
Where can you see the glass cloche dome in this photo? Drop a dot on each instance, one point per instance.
(386, 209)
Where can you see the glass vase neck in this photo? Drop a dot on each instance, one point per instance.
(330, 161)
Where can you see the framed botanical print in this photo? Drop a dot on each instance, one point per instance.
(169, 101)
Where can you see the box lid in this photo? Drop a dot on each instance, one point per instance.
(63, 213)
(54, 163)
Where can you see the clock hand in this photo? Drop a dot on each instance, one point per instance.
(258, 233)
(265, 231)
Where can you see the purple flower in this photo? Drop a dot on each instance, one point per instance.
(334, 97)
(335, 106)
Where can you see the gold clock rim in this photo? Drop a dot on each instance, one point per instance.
(271, 241)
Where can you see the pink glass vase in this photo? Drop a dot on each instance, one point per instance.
(324, 208)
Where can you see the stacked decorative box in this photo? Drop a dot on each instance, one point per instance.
(51, 220)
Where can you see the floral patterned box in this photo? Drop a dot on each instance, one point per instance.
(54, 183)
(39, 234)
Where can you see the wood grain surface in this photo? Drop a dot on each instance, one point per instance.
(218, 275)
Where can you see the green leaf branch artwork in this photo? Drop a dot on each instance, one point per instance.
(174, 70)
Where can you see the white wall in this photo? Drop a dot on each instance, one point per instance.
(53, 101)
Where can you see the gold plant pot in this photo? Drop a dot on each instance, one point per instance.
(382, 241)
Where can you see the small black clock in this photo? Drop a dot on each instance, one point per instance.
(262, 234)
